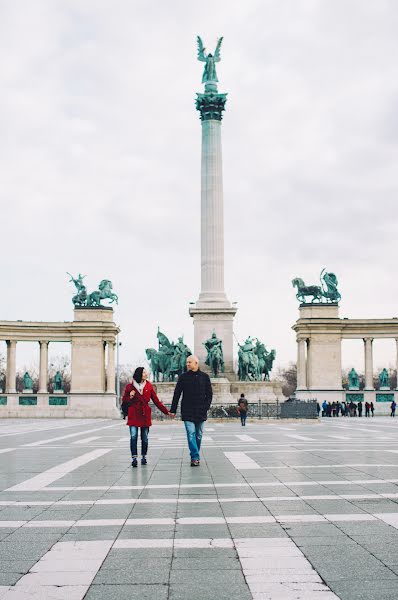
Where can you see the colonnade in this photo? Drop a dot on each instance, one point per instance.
(304, 357)
(43, 367)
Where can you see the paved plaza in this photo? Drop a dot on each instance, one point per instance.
(277, 510)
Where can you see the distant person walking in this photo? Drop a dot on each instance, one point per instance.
(135, 403)
(372, 409)
(197, 394)
(242, 409)
(360, 409)
(324, 408)
(393, 408)
(367, 409)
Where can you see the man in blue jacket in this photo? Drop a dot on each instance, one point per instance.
(197, 394)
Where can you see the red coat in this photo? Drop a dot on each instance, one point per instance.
(140, 413)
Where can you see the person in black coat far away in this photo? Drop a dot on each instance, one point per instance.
(197, 394)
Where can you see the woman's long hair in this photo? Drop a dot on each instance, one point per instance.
(138, 374)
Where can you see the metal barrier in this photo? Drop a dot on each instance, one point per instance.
(296, 409)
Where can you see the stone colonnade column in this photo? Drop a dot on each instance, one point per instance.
(11, 366)
(110, 369)
(368, 364)
(43, 369)
(301, 364)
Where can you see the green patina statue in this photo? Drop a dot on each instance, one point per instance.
(326, 292)
(169, 360)
(254, 361)
(104, 292)
(384, 379)
(209, 77)
(353, 380)
(27, 381)
(58, 382)
(215, 356)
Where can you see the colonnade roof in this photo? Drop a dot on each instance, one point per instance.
(56, 331)
(347, 328)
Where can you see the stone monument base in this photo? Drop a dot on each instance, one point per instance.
(43, 406)
(227, 392)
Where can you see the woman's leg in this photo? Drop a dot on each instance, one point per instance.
(133, 440)
(144, 440)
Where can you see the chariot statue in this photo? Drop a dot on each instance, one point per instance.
(104, 292)
(326, 292)
(215, 356)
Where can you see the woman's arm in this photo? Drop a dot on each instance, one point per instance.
(157, 402)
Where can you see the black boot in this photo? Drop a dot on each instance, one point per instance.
(134, 462)
(143, 460)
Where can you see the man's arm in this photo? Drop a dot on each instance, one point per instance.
(176, 395)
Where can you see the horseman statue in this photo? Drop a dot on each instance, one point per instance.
(104, 292)
(255, 362)
(326, 292)
(169, 360)
(215, 356)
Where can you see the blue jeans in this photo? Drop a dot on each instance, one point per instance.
(194, 436)
(243, 416)
(134, 438)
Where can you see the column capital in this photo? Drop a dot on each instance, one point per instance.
(368, 339)
(211, 106)
(43, 342)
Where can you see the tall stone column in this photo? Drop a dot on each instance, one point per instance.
(43, 369)
(301, 364)
(11, 367)
(110, 369)
(212, 311)
(368, 363)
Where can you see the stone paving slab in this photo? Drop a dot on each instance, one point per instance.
(317, 516)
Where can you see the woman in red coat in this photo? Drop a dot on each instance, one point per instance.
(137, 396)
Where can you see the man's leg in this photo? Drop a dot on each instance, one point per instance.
(191, 437)
(199, 433)
(133, 441)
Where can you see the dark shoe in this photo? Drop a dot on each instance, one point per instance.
(143, 460)
(134, 463)
(195, 463)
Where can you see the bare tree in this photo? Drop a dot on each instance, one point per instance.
(288, 377)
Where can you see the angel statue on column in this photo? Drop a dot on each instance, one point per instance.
(209, 73)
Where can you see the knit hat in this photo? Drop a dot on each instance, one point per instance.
(138, 374)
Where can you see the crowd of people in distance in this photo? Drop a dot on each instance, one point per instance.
(345, 409)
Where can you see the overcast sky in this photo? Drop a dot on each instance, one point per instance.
(100, 159)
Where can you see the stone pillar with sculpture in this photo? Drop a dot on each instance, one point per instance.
(43, 367)
(213, 312)
(11, 372)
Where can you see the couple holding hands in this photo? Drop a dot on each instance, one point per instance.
(197, 395)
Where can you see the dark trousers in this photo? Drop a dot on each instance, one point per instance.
(243, 416)
(134, 438)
